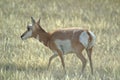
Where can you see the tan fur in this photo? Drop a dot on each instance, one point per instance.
(73, 34)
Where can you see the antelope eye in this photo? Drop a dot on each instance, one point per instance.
(28, 28)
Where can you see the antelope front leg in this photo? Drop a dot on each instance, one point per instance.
(62, 59)
(50, 59)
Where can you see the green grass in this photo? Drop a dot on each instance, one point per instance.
(27, 60)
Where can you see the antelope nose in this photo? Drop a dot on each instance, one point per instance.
(21, 37)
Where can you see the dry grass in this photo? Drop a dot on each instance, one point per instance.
(27, 60)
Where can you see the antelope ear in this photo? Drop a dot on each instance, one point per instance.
(38, 22)
(32, 20)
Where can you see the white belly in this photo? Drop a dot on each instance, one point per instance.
(64, 46)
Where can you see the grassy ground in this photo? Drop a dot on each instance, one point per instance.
(27, 60)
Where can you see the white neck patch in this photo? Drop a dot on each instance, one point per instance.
(37, 37)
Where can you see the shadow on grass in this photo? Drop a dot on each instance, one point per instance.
(14, 67)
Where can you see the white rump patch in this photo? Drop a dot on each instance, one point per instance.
(64, 45)
(92, 43)
(84, 39)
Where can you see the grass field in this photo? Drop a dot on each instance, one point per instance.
(27, 60)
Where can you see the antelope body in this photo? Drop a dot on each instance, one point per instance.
(63, 41)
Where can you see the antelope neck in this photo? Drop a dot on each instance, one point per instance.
(43, 37)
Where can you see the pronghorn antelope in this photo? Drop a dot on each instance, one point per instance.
(63, 41)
